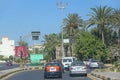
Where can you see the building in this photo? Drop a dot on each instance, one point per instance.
(39, 47)
(7, 47)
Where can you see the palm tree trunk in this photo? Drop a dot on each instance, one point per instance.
(103, 39)
(119, 41)
(102, 30)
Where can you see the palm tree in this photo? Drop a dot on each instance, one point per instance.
(116, 21)
(100, 16)
(72, 24)
(51, 41)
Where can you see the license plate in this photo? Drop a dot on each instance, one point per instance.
(52, 69)
(78, 68)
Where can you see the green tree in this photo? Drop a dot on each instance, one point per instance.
(100, 16)
(11, 57)
(88, 46)
(51, 41)
(72, 24)
(1, 57)
(110, 35)
(116, 21)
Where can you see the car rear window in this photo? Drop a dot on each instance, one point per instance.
(95, 61)
(80, 63)
(52, 64)
(67, 60)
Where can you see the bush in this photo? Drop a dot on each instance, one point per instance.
(17, 60)
(117, 65)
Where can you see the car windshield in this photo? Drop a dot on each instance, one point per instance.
(77, 63)
(67, 60)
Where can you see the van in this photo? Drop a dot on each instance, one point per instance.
(66, 61)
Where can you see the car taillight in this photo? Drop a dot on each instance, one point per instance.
(58, 68)
(47, 69)
(71, 68)
(85, 67)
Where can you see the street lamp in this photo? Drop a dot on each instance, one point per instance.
(62, 6)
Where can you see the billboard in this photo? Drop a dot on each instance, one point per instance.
(20, 51)
(36, 58)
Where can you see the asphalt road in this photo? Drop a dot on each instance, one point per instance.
(38, 75)
(3, 66)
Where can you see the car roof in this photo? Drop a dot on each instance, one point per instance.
(68, 57)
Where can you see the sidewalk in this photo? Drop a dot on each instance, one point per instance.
(107, 75)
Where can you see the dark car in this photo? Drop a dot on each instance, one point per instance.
(9, 63)
(62, 66)
(52, 70)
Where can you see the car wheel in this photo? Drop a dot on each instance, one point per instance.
(60, 76)
(70, 75)
(85, 75)
(45, 77)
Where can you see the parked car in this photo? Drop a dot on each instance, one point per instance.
(52, 70)
(78, 68)
(9, 63)
(66, 61)
(96, 64)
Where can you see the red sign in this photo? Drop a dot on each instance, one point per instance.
(20, 51)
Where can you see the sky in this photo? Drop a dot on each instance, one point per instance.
(21, 17)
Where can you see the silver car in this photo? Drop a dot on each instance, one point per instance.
(96, 64)
(78, 68)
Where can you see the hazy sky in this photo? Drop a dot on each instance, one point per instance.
(21, 17)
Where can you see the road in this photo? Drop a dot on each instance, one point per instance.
(3, 66)
(38, 75)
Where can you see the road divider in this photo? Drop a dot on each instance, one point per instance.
(8, 72)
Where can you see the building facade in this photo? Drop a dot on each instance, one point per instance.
(7, 47)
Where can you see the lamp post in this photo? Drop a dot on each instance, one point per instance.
(62, 6)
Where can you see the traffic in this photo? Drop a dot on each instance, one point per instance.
(67, 68)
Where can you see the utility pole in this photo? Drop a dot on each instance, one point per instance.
(21, 54)
(62, 6)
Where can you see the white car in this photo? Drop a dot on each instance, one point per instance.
(66, 61)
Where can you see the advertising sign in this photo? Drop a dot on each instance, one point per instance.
(65, 40)
(20, 51)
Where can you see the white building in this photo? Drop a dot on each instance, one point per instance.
(7, 47)
(40, 47)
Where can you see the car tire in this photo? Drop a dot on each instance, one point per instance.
(60, 76)
(45, 77)
(85, 74)
(70, 75)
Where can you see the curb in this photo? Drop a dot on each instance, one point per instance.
(101, 77)
(92, 77)
(10, 72)
(18, 70)
(33, 68)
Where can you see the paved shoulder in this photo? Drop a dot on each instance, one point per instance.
(107, 75)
